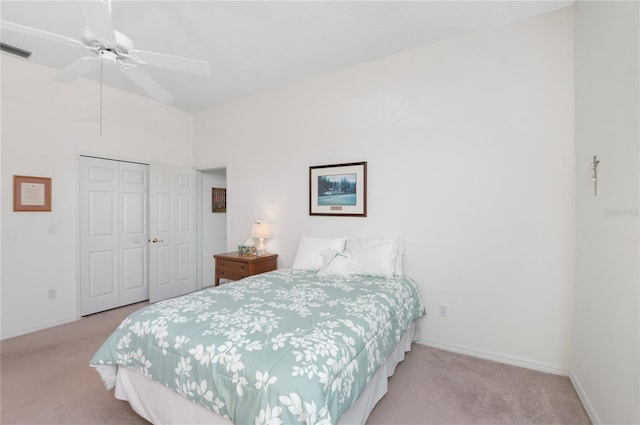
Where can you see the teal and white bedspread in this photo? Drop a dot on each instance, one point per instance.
(281, 347)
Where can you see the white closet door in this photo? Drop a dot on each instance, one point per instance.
(99, 222)
(113, 234)
(134, 247)
(172, 229)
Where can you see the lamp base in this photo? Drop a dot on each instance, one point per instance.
(260, 248)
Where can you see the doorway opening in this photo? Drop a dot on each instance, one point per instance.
(213, 221)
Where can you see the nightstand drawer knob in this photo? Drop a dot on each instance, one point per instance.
(221, 271)
(222, 263)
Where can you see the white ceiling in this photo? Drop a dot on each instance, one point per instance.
(255, 46)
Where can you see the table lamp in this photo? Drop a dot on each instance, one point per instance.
(261, 230)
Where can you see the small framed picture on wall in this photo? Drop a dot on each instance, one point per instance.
(31, 193)
(218, 200)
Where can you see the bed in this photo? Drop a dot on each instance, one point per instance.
(288, 346)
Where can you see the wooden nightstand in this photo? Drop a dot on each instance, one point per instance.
(235, 266)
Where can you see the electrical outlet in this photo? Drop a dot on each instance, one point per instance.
(443, 310)
(52, 294)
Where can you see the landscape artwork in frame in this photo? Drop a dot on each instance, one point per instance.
(339, 189)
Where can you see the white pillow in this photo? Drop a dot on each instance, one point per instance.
(374, 256)
(336, 263)
(309, 255)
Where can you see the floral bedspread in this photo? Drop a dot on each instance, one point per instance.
(281, 347)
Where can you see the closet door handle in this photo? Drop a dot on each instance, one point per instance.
(156, 240)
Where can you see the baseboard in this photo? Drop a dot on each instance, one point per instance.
(584, 398)
(500, 358)
(37, 328)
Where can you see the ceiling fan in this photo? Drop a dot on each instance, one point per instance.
(111, 47)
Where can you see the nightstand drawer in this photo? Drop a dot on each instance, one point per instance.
(231, 274)
(265, 266)
(232, 265)
(236, 266)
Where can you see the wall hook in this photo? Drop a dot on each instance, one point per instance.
(594, 174)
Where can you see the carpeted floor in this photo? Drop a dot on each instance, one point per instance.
(45, 378)
(434, 386)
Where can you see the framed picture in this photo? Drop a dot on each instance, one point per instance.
(218, 200)
(339, 189)
(31, 193)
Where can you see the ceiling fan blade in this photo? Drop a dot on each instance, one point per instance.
(76, 69)
(161, 60)
(34, 32)
(98, 18)
(147, 83)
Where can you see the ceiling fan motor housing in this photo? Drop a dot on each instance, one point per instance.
(109, 56)
(120, 46)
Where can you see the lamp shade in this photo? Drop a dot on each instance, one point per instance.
(262, 229)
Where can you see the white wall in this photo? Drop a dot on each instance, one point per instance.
(214, 225)
(606, 361)
(45, 126)
(470, 150)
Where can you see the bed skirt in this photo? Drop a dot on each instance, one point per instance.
(160, 405)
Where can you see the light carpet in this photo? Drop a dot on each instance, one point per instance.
(45, 378)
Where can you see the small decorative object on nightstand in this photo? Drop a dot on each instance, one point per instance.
(236, 266)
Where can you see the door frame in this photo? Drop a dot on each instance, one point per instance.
(199, 218)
